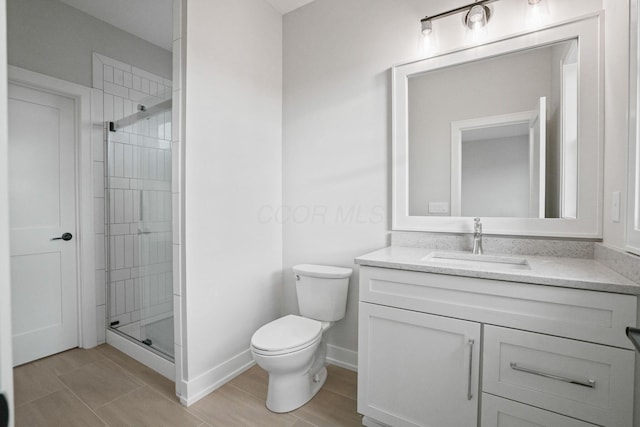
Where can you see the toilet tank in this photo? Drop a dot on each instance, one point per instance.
(322, 291)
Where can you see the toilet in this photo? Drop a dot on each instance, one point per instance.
(292, 349)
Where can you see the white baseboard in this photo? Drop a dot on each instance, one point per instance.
(216, 377)
(370, 422)
(342, 357)
(142, 355)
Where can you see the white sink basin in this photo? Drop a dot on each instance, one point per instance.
(468, 260)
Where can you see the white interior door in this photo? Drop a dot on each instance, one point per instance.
(42, 206)
(537, 160)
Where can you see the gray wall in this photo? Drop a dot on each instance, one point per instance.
(335, 136)
(495, 177)
(49, 37)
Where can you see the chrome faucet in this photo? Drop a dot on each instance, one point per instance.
(477, 237)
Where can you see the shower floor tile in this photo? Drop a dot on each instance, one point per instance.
(104, 387)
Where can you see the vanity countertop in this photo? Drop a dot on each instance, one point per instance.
(551, 271)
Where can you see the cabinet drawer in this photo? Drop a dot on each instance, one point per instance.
(586, 381)
(573, 313)
(498, 412)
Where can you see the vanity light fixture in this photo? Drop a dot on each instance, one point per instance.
(476, 19)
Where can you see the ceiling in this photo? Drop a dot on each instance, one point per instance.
(151, 20)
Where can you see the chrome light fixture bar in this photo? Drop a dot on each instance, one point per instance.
(474, 15)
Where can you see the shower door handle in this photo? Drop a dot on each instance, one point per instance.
(65, 236)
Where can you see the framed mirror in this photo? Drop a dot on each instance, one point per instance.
(510, 131)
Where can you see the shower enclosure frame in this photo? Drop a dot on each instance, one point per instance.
(154, 357)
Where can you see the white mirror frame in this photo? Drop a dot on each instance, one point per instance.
(633, 197)
(588, 225)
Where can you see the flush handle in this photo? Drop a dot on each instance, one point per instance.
(65, 236)
(297, 277)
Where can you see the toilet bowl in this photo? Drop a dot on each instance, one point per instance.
(292, 349)
(287, 349)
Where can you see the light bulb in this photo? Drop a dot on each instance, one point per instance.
(427, 37)
(537, 13)
(476, 22)
(427, 27)
(477, 17)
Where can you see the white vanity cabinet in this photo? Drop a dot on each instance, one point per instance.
(421, 369)
(438, 350)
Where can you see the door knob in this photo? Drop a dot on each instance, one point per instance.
(65, 237)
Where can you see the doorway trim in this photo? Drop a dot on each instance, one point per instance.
(85, 270)
(457, 128)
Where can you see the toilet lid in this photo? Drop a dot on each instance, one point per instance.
(322, 271)
(285, 333)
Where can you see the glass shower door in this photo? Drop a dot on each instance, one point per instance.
(154, 234)
(140, 236)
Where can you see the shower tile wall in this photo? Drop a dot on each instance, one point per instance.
(139, 166)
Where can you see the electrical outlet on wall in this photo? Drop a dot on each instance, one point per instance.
(438, 207)
(615, 206)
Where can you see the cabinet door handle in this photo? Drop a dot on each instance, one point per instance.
(584, 383)
(469, 393)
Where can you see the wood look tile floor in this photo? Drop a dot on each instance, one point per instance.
(104, 387)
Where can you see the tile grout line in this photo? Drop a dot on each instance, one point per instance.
(122, 395)
(151, 386)
(56, 376)
(72, 370)
(238, 388)
(43, 396)
(297, 417)
(129, 373)
(184, 408)
(83, 402)
(342, 395)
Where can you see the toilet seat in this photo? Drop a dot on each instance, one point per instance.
(287, 334)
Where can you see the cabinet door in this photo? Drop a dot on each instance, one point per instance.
(498, 412)
(416, 369)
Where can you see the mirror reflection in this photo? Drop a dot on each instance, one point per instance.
(496, 137)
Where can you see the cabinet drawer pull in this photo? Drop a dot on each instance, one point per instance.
(469, 394)
(584, 383)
